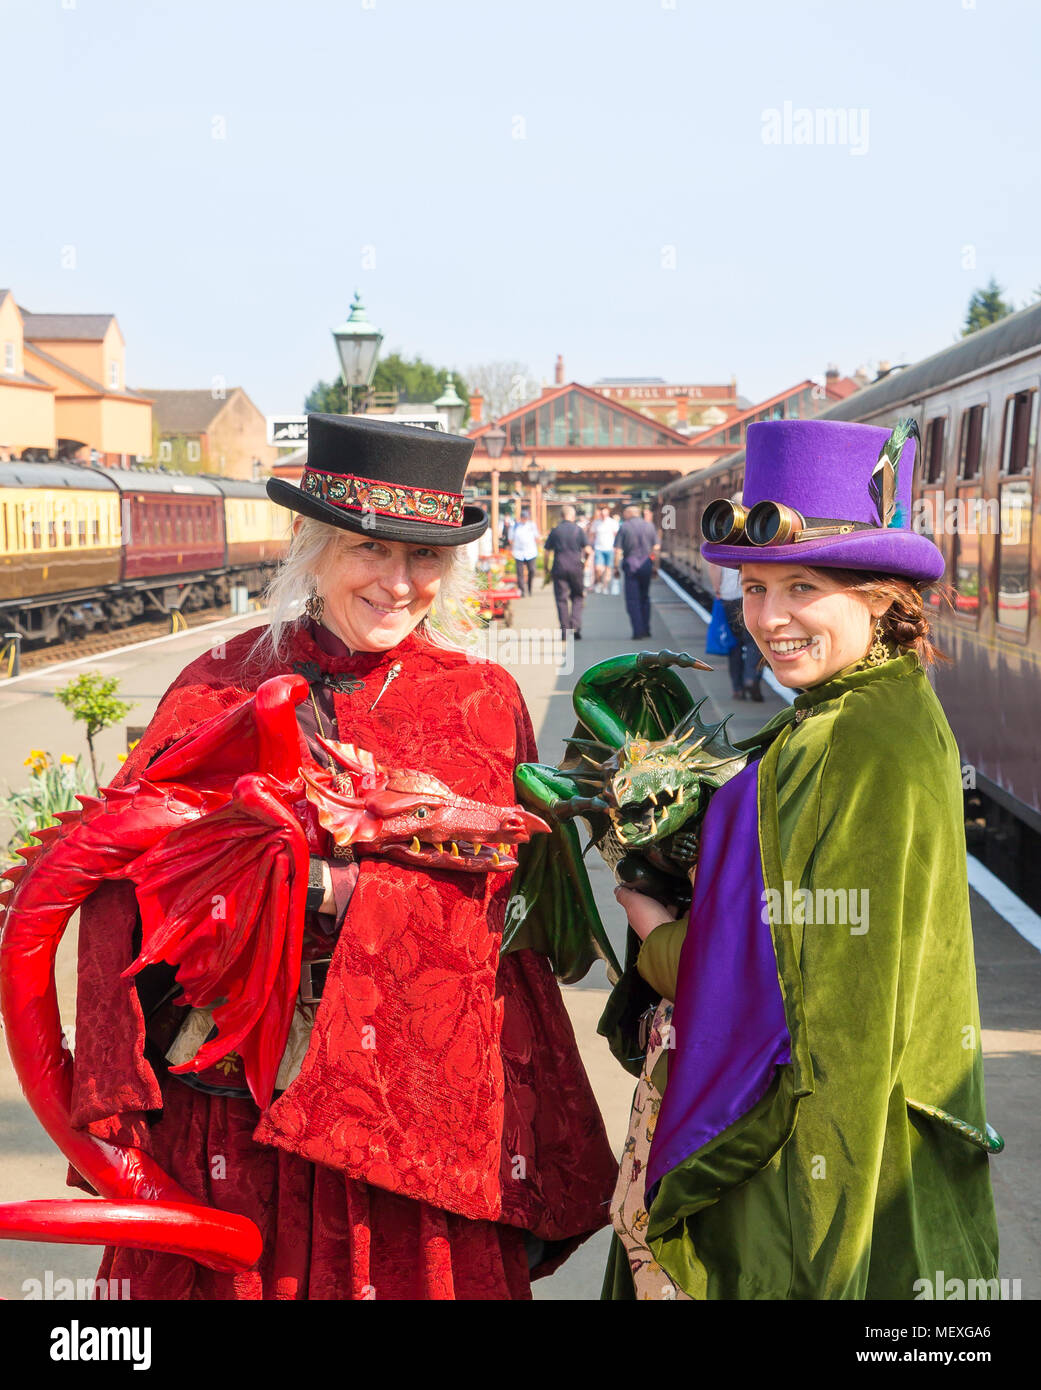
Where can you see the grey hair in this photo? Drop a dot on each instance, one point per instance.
(451, 621)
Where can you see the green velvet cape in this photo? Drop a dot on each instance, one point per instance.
(865, 1166)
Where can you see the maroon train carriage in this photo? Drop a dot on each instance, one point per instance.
(977, 494)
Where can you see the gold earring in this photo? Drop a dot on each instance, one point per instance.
(315, 605)
(878, 652)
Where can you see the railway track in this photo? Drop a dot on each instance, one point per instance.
(103, 643)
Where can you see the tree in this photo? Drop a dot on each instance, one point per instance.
(985, 307)
(416, 381)
(504, 386)
(91, 698)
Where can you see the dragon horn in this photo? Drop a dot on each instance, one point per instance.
(648, 661)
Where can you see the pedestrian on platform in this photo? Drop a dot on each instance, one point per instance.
(604, 529)
(568, 545)
(525, 546)
(636, 560)
(744, 659)
(822, 1133)
(419, 1063)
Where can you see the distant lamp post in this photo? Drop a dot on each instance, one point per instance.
(494, 443)
(536, 491)
(358, 344)
(452, 406)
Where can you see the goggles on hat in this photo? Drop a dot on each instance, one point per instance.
(769, 523)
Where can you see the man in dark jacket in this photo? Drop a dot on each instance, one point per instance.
(570, 549)
(636, 559)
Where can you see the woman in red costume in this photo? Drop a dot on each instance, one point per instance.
(433, 1134)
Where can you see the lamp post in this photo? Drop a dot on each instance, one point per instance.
(517, 466)
(358, 345)
(494, 443)
(534, 482)
(451, 405)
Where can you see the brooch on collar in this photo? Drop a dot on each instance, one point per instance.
(314, 675)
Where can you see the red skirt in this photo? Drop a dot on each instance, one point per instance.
(325, 1235)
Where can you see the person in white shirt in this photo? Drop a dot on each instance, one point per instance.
(604, 529)
(525, 547)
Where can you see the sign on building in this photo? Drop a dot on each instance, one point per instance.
(286, 429)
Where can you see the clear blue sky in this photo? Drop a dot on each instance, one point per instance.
(391, 124)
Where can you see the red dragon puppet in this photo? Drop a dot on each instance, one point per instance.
(198, 831)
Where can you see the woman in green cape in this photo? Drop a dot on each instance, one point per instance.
(810, 1123)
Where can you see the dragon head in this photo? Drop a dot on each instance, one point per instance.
(412, 817)
(654, 787)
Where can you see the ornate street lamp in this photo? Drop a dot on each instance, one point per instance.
(494, 443)
(452, 406)
(358, 345)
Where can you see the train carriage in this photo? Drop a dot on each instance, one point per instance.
(256, 529)
(59, 533)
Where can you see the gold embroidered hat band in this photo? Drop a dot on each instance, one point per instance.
(388, 499)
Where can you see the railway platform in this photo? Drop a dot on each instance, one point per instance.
(1008, 967)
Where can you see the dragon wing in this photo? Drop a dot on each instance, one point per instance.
(223, 899)
(551, 907)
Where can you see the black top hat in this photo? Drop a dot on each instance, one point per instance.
(392, 482)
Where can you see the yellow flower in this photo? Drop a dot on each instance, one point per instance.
(122, 757)
(67, 758)
(133, 745)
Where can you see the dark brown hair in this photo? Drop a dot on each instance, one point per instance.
(906, 621)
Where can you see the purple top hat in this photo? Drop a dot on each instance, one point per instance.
(825, 470)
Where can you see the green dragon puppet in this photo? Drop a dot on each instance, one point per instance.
(639, 769)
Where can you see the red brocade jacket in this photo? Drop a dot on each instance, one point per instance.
(474, 1098)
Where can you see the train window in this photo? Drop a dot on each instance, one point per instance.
(37, 534)
(1014, 556)
(81, 531)
(934, 433)
(52, 538)
(67, 529)
(970, 452)
(1020, 432)
(965, 551)
(95, 531)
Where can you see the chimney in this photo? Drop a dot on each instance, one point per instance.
(476, 408)
(862, 376)
(558, 371)
(831, 372)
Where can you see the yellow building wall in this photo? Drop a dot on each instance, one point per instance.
(11, 332)
(126, 427)
(237, 436)
(26, 417)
